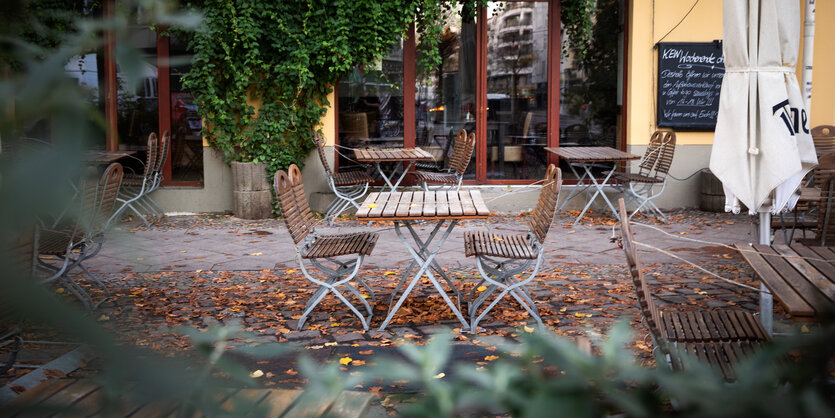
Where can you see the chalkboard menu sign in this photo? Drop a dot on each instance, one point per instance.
(689, 79)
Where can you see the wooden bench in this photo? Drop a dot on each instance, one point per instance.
(801, 278)
(82, 397)
(718, 338)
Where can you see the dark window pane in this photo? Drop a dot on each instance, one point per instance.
(186, 124)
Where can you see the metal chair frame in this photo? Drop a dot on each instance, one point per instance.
(131, 197)
(85, 238)
(501, 274)
(301, 226)
(654, 166)
(346, 196)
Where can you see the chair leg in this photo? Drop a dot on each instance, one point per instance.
(339, 276)
(501, 278)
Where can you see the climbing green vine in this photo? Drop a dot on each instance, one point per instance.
(262, 70)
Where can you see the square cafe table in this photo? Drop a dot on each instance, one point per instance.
(409, 208)
(407, 156)
(586, 158)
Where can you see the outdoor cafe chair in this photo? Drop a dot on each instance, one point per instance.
(348, 186)
(82, 238)
(135, 186)
(318, 248)
(501, 257)
(717, 337)
(162, 155)
(651, 179)
(462, 152)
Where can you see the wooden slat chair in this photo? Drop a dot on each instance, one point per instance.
(19, 253)
(82, 238)
(462, 152)
(153, 207)
(135, 186)
(651, 179)
(501, 257)
(348, 186)
(315, 247)
(718, 337)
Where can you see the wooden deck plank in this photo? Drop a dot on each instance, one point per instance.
(467, 205)
(37, 395)
(350, 405)
(809, 272)
(366, 206)
(429, 204)
(416, 207)
(391, 204)
(478, 201)
(403, 206)
(381, 204)
(441, 204)
(454, 203)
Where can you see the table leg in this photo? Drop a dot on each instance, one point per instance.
(385, 177)
(406, 169)
(426, 267)
(580, 187)
(599, 186)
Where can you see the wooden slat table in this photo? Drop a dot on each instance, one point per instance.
(407, 156)
(585, 158)
(801, 278)
(85, 397)
(406, 209)
(101, 157)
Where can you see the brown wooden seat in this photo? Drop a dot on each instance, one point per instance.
(348, 186)
(513, 254)
(335, 245)
(722, 356)
(703, 334)
(462, 152)
(136, 185)
(652, 171)
(478, 243)
(319, 247)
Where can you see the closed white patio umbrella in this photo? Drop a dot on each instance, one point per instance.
(762, 147)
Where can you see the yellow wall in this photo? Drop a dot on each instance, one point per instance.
(651, 20)
(328, 122)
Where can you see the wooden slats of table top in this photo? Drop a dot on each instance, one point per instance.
(424, 205)
(801, 278)
(84, 397)
(391, 154)
(591, 154)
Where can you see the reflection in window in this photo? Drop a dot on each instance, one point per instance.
(371, 106)
(186, 124)
(517, 90)
(136, 83)
(588, 106)
(445, 95)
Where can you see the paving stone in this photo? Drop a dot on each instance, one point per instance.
(351, 336)
(299, 335)
(376, 334)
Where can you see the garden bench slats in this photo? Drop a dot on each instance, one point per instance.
(429, 204)
(365, 209)
(391, 206)
(814, 257)
(709, 336)
(796, 280)
(810, 273)
(480, 207)
(455, 208)
(441, 205)
(415, 208)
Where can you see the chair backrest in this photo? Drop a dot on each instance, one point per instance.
(293, 203)
(151, 153)
(541, 217)
(462, 151)
(106, 193)
(320, 147)
(824, 138)
(645, 302)
(164, 144)
(659, 154)
(526, 125)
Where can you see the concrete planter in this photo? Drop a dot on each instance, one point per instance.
(251, 190)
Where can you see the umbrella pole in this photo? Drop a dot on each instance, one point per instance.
(766, 299)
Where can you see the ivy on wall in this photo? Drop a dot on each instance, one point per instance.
(285, 55)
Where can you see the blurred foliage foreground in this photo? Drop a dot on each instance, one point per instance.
(542, 375)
